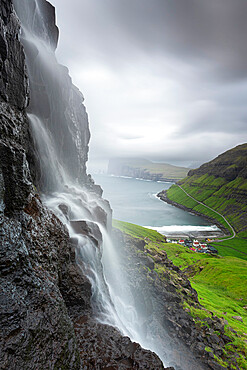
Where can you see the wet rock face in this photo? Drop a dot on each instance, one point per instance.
(35, 273)
(88, 228)
(36, 330)
(53, 97)
(14, 166)
(108, 349)
(15, 180)
(13, 76)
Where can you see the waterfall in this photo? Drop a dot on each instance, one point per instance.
(59, 128)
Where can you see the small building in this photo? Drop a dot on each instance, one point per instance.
(196, 243)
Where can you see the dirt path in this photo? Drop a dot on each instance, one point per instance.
(232, 229)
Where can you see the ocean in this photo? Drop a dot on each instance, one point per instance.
(135, 201)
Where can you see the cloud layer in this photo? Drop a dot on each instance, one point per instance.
(164, 79)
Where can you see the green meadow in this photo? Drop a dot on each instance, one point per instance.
(225, 198)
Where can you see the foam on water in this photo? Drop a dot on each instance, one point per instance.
(183, 228)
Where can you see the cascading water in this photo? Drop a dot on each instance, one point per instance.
(59, 127)
(60, 133)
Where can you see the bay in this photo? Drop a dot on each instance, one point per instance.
(135, 201)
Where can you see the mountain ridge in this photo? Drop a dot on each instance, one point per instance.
(223, 166)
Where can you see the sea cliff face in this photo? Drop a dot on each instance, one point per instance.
(144, 169)
(46, 317)
(36, 330)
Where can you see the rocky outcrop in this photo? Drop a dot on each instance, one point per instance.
(107, 348)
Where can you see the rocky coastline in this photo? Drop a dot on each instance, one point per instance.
(163, 196)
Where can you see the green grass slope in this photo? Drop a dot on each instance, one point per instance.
(221, 284)
(221, 185)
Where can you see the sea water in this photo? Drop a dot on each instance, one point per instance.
(135, 201)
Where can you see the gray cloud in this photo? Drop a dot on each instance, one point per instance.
(160, 78)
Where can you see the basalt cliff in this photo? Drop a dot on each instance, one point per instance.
(46, 319)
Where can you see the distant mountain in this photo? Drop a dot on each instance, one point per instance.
(144, 169)
(220, 184)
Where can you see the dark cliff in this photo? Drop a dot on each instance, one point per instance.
(36, 330)
(53, 97)
(229, 165)
(46, 318)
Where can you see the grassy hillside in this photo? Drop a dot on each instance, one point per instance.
(221, 185)
(227, 198)
(143, 168)
(221, 283)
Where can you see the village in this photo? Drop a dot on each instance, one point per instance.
(195, 245)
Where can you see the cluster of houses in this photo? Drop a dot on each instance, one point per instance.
(195, 245)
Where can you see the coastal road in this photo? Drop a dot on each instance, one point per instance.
(232, 229)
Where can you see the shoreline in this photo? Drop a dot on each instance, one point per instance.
(161, 180)
(162, 196)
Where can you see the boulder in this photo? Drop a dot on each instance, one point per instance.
(239, 318)
(89, 229)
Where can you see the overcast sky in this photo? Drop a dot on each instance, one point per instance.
(164, 80)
